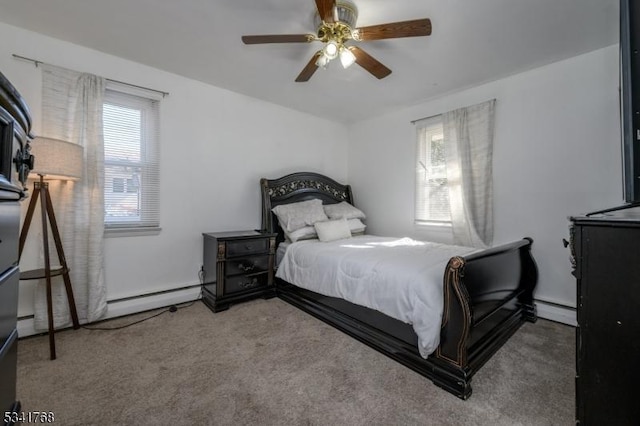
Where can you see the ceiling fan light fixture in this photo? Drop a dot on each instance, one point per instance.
(347, 58)
(322, 61)
(331, 50)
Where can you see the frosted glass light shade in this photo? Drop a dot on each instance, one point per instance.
(347, 58)
(56, 159)
(331, 49)
(322, 61)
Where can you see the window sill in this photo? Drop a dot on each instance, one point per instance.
(130, 232)
(432, 225)
(440, 232)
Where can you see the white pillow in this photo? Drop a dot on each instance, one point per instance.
(343, 210)
(356, 226)
(309, 232)
(298, 215)
(332, 230)
(306, 233)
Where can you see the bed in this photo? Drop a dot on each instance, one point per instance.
(486, 295)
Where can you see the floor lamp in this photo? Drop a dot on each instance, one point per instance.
(54, 160)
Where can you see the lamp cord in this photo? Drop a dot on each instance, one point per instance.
(172, 309)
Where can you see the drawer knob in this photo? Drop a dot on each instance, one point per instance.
(250, 284)
(247, 267)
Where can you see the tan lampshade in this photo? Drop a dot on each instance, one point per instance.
(56, 159)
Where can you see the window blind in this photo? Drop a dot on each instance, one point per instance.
(431, 192)
(131, 160)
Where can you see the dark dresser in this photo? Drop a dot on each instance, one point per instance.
(606, 247)
(237, 266)
(15, 161)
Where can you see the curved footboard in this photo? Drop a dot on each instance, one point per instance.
(487, 297)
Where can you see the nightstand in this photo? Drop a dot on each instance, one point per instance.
(238, 266)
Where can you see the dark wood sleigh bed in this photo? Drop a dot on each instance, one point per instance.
(488, 295)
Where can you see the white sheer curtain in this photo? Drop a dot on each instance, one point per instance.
(72, 111)
(468, 141)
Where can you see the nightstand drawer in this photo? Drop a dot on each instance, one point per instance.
(247, 246)
(245, 282)
(248, 265)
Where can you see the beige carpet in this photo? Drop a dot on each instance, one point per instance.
(266, 362)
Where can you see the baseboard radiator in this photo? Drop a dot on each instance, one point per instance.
(146, 302)
(128, 306)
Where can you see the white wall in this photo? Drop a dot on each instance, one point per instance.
(215, 146)
(556, 154)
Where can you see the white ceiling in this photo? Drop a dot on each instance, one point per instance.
(473, 41)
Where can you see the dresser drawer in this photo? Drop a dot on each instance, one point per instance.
(248, 265)
(8, 364)
(247, 246)
(245, 282)
(8, 302)
(9, 225)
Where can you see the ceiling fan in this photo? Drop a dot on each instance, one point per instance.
(335, 23)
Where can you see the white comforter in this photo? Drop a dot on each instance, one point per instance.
(401, 278)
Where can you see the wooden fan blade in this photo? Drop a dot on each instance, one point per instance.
(308, 71)
(325, 9)
(278, 38)
(369, 63)
(415, 28)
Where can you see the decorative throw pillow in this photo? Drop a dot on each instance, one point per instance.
(305, 233)
(343, 210)
(356, 226)
(298, 215)
(332, 230)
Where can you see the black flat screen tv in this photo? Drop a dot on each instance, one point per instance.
(630, 97)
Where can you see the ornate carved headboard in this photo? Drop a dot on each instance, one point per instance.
(298, 187)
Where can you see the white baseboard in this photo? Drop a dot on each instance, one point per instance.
(558, 313)
(128, 306)
(133, 305)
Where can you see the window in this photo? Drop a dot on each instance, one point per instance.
(131, 167)
(118, 185)
(432, 192)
